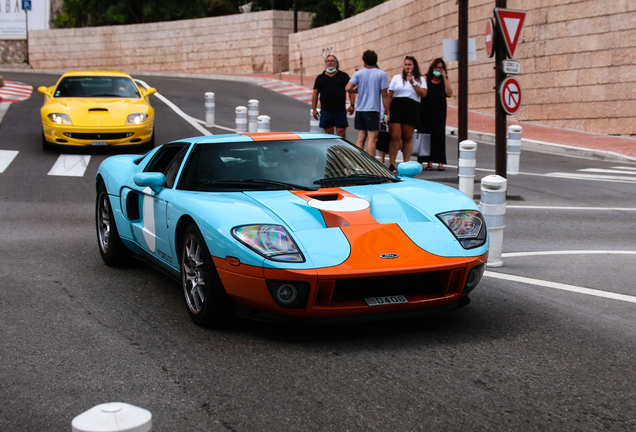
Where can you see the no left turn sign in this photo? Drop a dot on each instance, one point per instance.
(510, 95)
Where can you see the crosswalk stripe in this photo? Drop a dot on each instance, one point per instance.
(608, 171)
(70, 165)
(6, 157)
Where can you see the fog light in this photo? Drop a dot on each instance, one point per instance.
(474, 277)
(287, 293)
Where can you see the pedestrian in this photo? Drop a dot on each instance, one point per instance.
(330, 88)
(406, 90)
(433, 113)
(372, 85)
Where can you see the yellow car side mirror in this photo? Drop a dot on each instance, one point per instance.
(44, 90)
(149, 91)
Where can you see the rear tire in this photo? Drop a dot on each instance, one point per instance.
(208, 303)
(111, 248)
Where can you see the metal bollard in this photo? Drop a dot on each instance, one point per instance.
(241, 119)
(467, 163)
(314, 125)
(514, 149)
(493, 207)
(263, 123)
(113, 417)
(252, 116)
(209, 109)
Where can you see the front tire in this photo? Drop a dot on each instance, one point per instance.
(208, 303)
(46, 146)
(111, 248)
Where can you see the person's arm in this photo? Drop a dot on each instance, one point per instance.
(447, 84)
(314, 103)
(352, 102)
(386, 100)
(420, 90)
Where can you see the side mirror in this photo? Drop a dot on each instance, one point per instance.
(44, 91)
(409, 169)
(149, 91)
(153, 180)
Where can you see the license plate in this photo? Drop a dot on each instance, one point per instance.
(379, 301)
(99, 143)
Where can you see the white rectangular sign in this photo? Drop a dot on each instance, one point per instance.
(13, 19)
(451, 50)
(511, 67)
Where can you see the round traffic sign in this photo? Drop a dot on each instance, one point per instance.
(490, 37)
(510, 95)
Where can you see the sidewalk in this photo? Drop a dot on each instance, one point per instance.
(548, 139)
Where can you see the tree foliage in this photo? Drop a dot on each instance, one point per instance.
(81, 13)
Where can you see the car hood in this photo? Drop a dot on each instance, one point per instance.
(98, 111)
(330, 223)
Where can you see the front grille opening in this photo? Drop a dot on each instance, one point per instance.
(351, 290)
(98, 136)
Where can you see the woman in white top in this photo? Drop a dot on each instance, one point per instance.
(405, 90)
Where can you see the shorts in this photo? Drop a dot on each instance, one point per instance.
(367, 120)
(329, 119)
(405, 110)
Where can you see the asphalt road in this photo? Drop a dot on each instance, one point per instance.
(544, 344)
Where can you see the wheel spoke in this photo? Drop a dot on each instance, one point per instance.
(193, 267)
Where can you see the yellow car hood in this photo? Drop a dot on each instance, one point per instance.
(99, 111)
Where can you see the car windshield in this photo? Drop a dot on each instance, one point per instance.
(297, 164)
(96, 86)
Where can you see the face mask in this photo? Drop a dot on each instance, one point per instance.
(437, 73)
(331, 70)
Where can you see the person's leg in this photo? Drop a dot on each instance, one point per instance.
(329, 130)
(341, 123)
(341, 132)
(407, 141)
(395, 129)
(382, 156)
(372, 141)
(362, 136)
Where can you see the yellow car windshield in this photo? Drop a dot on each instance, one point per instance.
(96, 86)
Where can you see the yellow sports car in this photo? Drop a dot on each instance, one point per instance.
(97, 108)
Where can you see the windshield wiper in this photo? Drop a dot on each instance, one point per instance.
(357, 179)
(260, 182)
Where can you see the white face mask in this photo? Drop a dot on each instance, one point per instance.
(437, 73)
(331, 70)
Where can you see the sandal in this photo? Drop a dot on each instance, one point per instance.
(441, 168)
(429, 168)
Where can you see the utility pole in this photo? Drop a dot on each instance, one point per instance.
(462, 95)
(500, 115)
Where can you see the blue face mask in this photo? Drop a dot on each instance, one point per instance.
(331, 70)
(437, 73)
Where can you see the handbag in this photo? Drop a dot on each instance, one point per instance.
(421, 144)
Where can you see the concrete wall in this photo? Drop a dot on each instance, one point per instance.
(242, 43)
(577, 56)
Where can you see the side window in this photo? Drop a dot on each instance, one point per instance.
(167, 161)
(173, 168)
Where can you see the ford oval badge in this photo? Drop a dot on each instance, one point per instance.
(389, 256)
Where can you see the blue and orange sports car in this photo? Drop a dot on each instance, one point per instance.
(290, 227)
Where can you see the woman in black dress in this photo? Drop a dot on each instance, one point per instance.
(433, 113)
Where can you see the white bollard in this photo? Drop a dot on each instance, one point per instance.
(252, 116)
(263, 123)
(241, 119)
(314, 125)
(467, 163)
(113, 417)
(493, 207)
(209, 109)
(514, 149)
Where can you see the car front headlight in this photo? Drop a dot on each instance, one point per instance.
(61, 119)
(271, 241)
(468, 226)
(136, 118)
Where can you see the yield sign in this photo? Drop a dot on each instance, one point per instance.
(510, 23)
(510, 95)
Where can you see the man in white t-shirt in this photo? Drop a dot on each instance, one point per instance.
(372, 85)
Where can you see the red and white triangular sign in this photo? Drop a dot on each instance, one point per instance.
(510, 22)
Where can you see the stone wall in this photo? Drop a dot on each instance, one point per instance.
(241, 43)
(577, 56)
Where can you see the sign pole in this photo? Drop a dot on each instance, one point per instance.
(462, 87)
(500, 115)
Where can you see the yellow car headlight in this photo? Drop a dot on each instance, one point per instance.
(60, 119)
(136, 119)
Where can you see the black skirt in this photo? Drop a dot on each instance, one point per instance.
(405, 110)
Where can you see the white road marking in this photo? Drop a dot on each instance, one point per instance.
(6, 157)
(176, 109)
(560, 286)
(608, 171)
(598, 177)
(70, 165)
(566, 252)
(570, 208)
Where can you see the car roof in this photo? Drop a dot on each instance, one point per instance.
(96, 73)
(256, 137)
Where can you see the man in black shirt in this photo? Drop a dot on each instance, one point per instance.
(330, 86)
